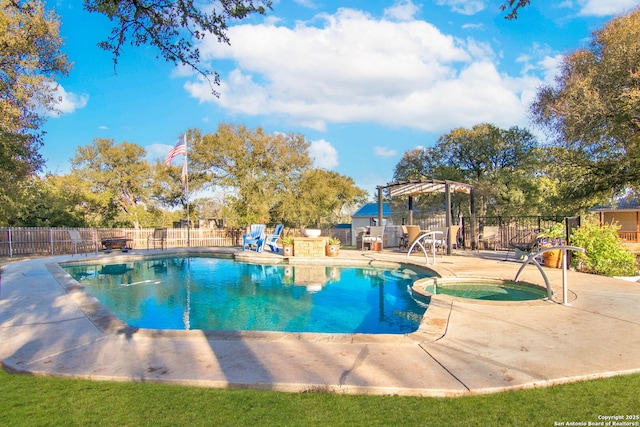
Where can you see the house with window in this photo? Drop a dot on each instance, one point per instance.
(626, 214)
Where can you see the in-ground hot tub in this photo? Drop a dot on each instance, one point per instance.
(477, 288)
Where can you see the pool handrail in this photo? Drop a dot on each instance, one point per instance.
(418, 242)
(565, 284)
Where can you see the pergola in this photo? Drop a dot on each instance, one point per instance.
(418, 187)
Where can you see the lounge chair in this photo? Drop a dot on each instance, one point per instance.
(271, 240)
(158, 235)
(255, 236)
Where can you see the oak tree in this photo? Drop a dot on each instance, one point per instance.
(592, 113)
(499, 163)
(258, 167)
(30, 61)
(115, 180)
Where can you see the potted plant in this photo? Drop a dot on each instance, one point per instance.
(552, 237)
(287, 246)
(333, 246)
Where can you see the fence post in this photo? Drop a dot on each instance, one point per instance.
(10, 243)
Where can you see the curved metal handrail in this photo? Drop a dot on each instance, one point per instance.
(419, 241)
(532, 258)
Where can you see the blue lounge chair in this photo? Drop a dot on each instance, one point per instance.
(255, 236)
(271, 240)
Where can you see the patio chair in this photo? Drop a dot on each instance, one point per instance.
(525, 241)
(158, 235)
(403, 241)
(78, 241)
(453, 235)
(439, 239)
(271, 240)
(375, 236)
(255, 236)
(489, 237)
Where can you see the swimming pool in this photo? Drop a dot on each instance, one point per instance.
(210, 293)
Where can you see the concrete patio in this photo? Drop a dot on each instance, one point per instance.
(50, 326)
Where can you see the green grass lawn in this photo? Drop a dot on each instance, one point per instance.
(26, 400)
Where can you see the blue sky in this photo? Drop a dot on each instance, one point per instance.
(363, 81)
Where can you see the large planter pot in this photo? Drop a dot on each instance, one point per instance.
(333, 250)
(553, 258)
(287, 250)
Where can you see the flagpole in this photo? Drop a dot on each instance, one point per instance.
(185, 168)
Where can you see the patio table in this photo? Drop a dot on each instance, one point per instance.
(116, 243)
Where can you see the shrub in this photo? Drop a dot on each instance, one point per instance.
(606, 255)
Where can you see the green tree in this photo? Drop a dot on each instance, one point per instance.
(30, 61)
(592, 113)
(19, 161)
(172, 26)
(259, 168)
(512, 7)
(499, 163)
(50, 201)
(116, 179)
(320, 198)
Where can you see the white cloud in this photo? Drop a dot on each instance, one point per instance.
(324, 155)
(542, 60)
(103, 127)
(182, 70)
(384, 152)
(157, 152)
(551, 66)
(473, 26)
(465, 7)
(606, 7)
(306, 3)
(351, 68)
(67, 102)
(402, 10)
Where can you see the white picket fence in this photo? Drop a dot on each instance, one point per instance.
(23, 241)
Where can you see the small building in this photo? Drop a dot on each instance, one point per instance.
(367, 216)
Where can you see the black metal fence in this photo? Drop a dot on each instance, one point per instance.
(512, 231)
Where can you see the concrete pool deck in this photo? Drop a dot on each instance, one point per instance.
(51, 326)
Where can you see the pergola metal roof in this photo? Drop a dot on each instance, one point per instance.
(417, 187)
(424, 186)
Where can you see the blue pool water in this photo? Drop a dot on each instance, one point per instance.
(222, 294)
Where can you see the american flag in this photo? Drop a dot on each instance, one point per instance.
(179, 148)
